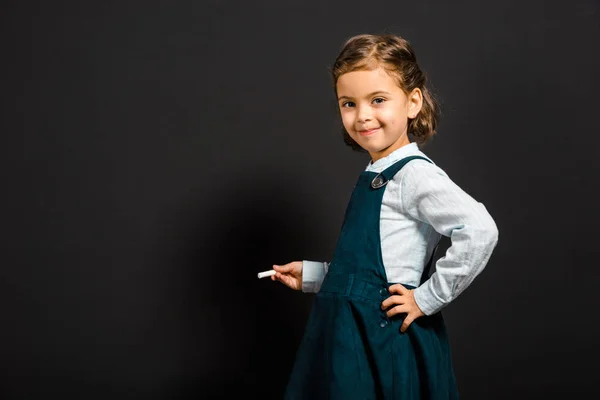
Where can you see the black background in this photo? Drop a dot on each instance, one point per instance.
(157, 155)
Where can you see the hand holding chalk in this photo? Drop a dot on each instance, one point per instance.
(289, 274)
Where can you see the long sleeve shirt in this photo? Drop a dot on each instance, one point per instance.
(420, 204)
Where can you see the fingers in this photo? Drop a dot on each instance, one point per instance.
(398, 310)
(402, 303)
(280, 268)
(280, 277)
(391, 301)
(287, 280)
(406, 323)
(398, 288)
(283, 273)
(287, 268)
(411, 315)
(283, 279)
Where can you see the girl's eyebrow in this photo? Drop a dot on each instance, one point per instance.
(369, 95)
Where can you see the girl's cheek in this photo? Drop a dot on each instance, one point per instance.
(347, 122)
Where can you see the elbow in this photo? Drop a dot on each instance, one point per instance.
(492, 234)
(486, 228)
(485, 235)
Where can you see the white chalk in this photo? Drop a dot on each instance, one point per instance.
(266, 273)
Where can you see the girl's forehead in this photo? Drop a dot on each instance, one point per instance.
(367, 80)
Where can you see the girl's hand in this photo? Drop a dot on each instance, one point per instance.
(289, 274)
(404, 302)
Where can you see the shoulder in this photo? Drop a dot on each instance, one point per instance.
(421, 182)
(418, 170)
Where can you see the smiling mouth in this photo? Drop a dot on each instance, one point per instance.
(368, 132)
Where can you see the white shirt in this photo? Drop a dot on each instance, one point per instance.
(419, 204)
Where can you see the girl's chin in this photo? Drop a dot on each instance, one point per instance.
(372, 149)
(371, 145)
(377, 149)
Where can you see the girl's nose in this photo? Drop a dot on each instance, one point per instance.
(364, 114)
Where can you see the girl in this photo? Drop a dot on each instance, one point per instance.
(375, 330)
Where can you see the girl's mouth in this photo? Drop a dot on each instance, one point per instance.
(368, 132)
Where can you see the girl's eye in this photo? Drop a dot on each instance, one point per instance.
(378, 100)
(348, 104)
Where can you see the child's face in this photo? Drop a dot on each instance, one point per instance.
(375, 110)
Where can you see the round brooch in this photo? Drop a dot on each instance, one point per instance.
(378, 182)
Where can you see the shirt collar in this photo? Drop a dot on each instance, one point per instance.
(383, 163)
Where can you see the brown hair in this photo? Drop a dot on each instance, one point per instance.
(396, 56)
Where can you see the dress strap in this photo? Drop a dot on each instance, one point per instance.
(382, 178)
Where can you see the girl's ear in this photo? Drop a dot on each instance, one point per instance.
(415, 102)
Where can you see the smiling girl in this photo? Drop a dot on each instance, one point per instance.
(375, 330)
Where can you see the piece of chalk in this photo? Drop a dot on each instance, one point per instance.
(266, 273)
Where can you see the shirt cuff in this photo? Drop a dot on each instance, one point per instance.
(427, 301)
(313, 273)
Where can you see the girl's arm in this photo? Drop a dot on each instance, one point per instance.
(428, 195)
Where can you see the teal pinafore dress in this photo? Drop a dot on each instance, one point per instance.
(351, 349)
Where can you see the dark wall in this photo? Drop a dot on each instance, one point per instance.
(157, 155)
